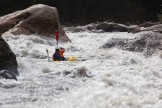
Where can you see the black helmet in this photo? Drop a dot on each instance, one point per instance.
(62, 48)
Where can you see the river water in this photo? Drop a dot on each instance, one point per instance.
(101, 78)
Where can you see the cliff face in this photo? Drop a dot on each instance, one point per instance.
(85, 11)
(123, 11)
(80, 11)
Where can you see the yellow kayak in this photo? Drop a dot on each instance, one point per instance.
(71, 59)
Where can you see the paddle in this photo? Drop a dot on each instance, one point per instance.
(57, 37)
(48, 55)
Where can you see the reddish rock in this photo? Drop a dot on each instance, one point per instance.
(38, 19)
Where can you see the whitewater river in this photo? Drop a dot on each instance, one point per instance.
(101, 78)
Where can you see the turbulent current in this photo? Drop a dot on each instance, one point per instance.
(100, 78)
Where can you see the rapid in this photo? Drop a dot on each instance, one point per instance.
(101, 78)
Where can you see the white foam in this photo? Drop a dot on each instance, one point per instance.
(118, 79)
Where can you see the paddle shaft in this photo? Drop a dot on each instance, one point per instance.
(48, 55)
(57, 37)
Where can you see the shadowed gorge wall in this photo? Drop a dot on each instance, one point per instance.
(86, 11)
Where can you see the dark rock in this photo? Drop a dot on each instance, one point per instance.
(148, 43)
(155, 28)
(148, 24)
(134, 29)
(7, 58)
(62, 35)
(91, 26)
(77, 29)
(7, 74)
(38, 19)
(66, 72)
(110, 27)
(116, 42)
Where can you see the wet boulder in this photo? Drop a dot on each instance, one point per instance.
(116, 42)
(79, 29)
(91, 26)
(38, 19)
(7, 74)
(111, 27)
(155, 28)
(149, 24)
(7, 58)
(148, 43)
(134, 29)
(76, 29)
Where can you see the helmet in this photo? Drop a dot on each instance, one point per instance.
(57, 47)
(62, 48)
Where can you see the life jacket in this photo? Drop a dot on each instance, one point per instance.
(56, 55)
(61, 52)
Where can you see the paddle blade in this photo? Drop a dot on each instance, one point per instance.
(57, 35)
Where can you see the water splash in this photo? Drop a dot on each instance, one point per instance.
(119, 79)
